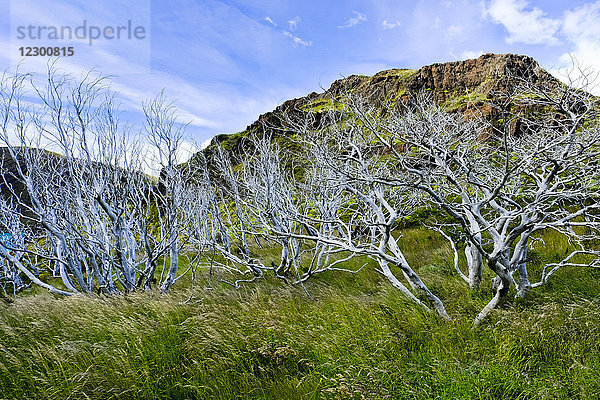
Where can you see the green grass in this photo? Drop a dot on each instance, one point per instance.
(457, 102)
(355, 337)
(326, 104)
(266, 341)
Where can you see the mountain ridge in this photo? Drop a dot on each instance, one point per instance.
(459, 86)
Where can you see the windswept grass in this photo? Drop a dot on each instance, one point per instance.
(354, 338)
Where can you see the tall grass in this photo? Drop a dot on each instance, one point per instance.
(355, 337)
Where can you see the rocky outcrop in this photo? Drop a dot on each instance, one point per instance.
(460, 86)
(485, 75)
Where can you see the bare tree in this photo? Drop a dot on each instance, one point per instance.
(165, 135)
(354, 197)
(77, 176)
(254, 200)
(502, 187)
(92, 217)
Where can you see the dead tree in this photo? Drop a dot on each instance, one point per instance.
(501, 187)
(77, 179)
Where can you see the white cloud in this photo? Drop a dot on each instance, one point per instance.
(293, 23)
(578, 30)
(297, 40)
(453, 31)
(529, 26)
(206, 143)
(353, 21)
(581, 27)
(468, 54)
(583, 23)
(390, 25)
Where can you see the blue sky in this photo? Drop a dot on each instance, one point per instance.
(225, 62)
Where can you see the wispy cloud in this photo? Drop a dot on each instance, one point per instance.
(353, 21)
(293, 23)
(390, 25)
(297, 40)
(577, 31)
(103, 52)
(528, 26)
(453, 31)
(581, 26)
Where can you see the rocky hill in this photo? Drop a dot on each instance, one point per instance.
(459, 86)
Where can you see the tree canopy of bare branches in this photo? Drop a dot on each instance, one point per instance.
(77, 196)
(502, 187)
(77, 204)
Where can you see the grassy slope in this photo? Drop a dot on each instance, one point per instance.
(355, 338)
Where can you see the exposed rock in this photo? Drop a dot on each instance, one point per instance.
(460, 86)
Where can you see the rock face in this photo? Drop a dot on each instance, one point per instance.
(459, 86)
(483, 75)
(8, 168)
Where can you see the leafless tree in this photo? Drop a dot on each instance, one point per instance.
(165, 135)
(502, 186)
(76, 202)
(252, 201)
(77, 179)
(348, 205)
